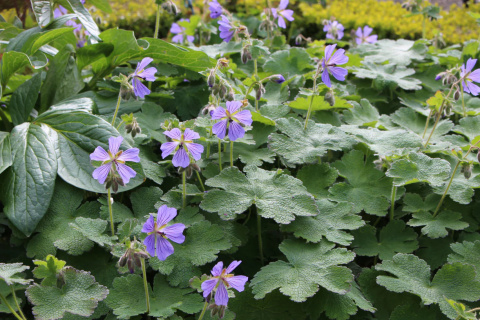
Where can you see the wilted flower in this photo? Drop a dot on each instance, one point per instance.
(215, 9)
(158, 233)
(179, 32)
(282, 12)
(232, 119)
(182, 144)
(132, 257)
(227, 29)
(117, 157)
(363, 36)
(139, 88)
(221, 280)
(330, 63)
(334, 29)
(468, 76)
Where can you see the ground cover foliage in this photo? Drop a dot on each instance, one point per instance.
(344, 181)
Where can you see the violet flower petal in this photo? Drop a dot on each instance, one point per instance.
(175, 133)
(149, 225)
(101, 173)
(235, 131)
(99, 155)
(149, 242)
(114, 144)
(244, 116)
(208, 286)
(220, 129)
(181, 158)
(125, 172)
(175, 232)
(167, 148)
(164, 248)
(165, 215)
(218, 113)
(233, 106)
(237, 282)
(232, 266)
(195, 150)
(189, 134)
(217, 269)
(130, 155)
(221, 296)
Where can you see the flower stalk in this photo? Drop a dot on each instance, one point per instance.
(231, 153)
(116, 108)
(184, 189)
(10, 308)
(157, 23)
(110, 211)
(145, 284)
(203, 310)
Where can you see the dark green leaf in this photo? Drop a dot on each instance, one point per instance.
(5, 151)
(24, 98)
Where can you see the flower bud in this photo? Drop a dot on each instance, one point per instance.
(211, 78)
(330, 98)
(230, 95)
(216, 89)
(456, 94)
(223, 91)
(467, 170)
(440, 76)
(246, 55)
(208, 109)
(298, 40)
(222, 62)
(259, 91)
(170, 7)
(126, 91)
(278, 78)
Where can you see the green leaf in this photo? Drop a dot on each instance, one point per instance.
(12, 62)
(309, 266)
(299, 146)
(9, 270)
(367, 188)
(5, 151)
(24, 98)
(203, 241)
(78, 295)
(144, 199)
(48, 270)
(394, 238)
(466, 252)
(414, 312)
(275, 195)
(102, 5)
(63, 79)
(414, 202)
(177, 55)
(329, 223)
(436, 227)
(469, 127)
(453, 281)
(419, 167)
(43, 11)
(76, 135)
(389, 75)
(461, 311)
(317, 178)
(54, 229)
(318, 103)
(398, 52)
(30, 180)
(434, 251)
(127, 298)
(85, 18)
(91, 53)
(362, 114)
(44, 38)
(93, 229)
(292, 62)
(253, 155)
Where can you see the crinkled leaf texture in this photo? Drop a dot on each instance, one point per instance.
(411, 274)
(8, 273)
(299, 146)
(436, 227)
(79, 294)
(309, 266)
(276, 195)
(389, 75)
(48, 270)
(466, 252)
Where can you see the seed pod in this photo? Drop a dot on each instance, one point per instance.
(195, 167)
(330, 98)
(223, 91)
(230, 95)
(457, 95)
(467, 170)
(122, 261)
(259, 91)
(216, 89)
(211, 78)
(246, 55)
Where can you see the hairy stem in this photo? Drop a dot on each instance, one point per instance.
(145, 285)
(200, 180)
(220, 154)
(231, 153)
(184, 189)
(446, 190)
(392, 202)
(435, 124)
(16, 302)
(463, 101)
(116, 108)
(10, 307)
(203, 310)
(259, 231)
(426, 124)
(157, 23)
(309, 112)
(110, 211)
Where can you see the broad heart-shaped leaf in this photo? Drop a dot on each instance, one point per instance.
(12, 61)
(394, 238)
(9, 270)
(367, 188)
(399, 52)
(48, 270)
(436, 227)
(329, 223)
(276, 195)
(385, 142)
(299, 146)
(203, 241)
(127, 298)
(29, 183)
(76, 135)
(5, 151)
(318, 103)
(79, 294)
(362, 114)
(419, 167)
(389, 75)
(411, 274)
(43, 11)
(54, 230)
(291, 63)
(469, 127)
(91, 53)
(93, 229)
(181, 56)
(466, 252)
(23, 99)
(309, 266)
(317, 178)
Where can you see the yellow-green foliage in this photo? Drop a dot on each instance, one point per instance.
(389, 19)
(127, 10)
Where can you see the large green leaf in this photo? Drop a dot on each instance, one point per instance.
(79, 294)
(389, 75)
(24, 98)
(43, 11)
(12, 62)
(30, 180)
(8, 273)
(466, 252)
(453, 281)
(309, 266)
(75, 136)
(91, 53)
(399, 52)
(318, 103)
(276, 195)
(362, 114)
(85, 18)
(291, 63)
(5, 151)
(436, 227)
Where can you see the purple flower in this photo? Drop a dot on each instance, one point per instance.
(158, 233)
(363, 36)
(182, 144)
(215, 9)
(221, 280)
(468, 76)
(330, 63)
(227, 29)
(278, 78)
(139, 88)
(232, 119)
(114, 156)
(179, 32)
(282, 12)
(334, 30)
